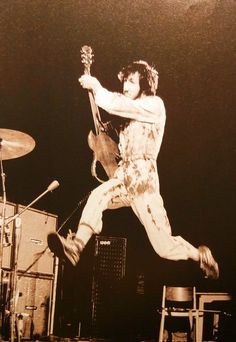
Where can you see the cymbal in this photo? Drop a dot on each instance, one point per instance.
(14, 144)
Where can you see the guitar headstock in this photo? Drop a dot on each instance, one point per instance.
(87, 58)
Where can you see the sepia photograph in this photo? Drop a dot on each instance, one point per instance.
(117, 168)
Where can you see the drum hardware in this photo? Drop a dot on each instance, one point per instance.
(7, 236)
(13, 144)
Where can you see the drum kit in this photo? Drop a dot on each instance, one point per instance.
(13, 144)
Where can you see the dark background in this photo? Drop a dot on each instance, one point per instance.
(192, 44)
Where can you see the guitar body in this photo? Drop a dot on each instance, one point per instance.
(105, 151)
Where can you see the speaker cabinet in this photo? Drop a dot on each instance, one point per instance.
(108, 277)
(31, 267)
(33, 254)
(33, 304)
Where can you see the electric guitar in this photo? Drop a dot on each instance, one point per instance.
(105, 150)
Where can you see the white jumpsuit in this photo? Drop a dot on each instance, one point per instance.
(136, 181)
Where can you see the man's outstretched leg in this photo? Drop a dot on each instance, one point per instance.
(152, 214)
(207, 263)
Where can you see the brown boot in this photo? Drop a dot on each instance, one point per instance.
(208, 263)
(69, 248)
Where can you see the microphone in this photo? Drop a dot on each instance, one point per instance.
(55, 184)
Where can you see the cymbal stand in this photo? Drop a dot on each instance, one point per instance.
(3, 224)
(13, 302)
(2, 232)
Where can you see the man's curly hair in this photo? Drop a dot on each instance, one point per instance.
(148, 76)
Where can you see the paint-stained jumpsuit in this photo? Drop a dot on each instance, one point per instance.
(136, 182)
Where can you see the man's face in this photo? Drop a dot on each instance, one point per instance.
(131, 86)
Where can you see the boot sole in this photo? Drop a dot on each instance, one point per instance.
(55, 245)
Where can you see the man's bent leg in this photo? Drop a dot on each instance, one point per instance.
(109, 195)
(69, 248)
(90, 222)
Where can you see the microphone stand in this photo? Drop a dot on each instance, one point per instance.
(6, 221)
(51, 187)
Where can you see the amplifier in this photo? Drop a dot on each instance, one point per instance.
(33, 303)
(108, 274)
(33, 254)
(36, 270)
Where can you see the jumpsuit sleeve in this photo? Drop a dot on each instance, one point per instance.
(146, 109)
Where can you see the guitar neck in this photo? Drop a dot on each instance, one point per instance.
(87, 59)
(95, 112)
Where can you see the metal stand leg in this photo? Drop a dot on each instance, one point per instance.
(2, 232)
(14, 318)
